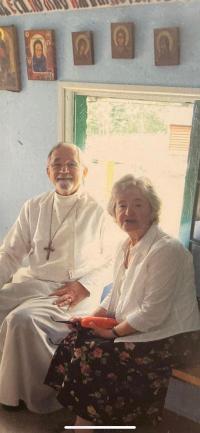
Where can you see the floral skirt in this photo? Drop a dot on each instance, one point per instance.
(111, 383)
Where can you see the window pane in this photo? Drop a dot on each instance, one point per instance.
(144, 138)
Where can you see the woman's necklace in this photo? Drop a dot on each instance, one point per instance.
(127, 254)
(49, 249)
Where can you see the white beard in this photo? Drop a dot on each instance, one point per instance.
(65, 184)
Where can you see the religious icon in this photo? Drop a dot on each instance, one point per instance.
(122, 40)
(40, 54)
(166, 46)
(9, 60)
(82, 43)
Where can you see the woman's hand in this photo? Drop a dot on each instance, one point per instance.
(122, 329)
(99, 312)
(105, 333)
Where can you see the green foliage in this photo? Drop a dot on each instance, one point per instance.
(123, 117)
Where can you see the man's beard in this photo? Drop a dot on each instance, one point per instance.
(65, 184)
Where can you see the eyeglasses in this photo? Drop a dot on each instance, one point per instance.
(70, 165)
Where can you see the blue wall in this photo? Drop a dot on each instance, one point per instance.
(28, 121)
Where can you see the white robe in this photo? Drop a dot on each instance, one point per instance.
(83, 248)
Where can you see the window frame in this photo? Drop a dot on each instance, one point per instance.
(68, 90)
(70, 110)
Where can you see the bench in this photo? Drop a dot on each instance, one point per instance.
(190, 375)
(183, 396)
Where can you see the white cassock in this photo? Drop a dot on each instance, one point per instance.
(83, 248)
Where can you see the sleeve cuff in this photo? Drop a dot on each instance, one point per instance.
(138, 321)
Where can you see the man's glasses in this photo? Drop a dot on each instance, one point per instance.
(70, 165)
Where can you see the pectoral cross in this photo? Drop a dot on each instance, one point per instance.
(49, 249)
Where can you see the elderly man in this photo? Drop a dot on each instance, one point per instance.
(68, 239)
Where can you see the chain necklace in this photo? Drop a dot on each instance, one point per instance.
(49, 249)
(127, 255)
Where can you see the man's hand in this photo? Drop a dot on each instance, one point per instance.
(70, 294)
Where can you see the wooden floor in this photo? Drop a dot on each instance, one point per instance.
(27, 422)
(173, 423)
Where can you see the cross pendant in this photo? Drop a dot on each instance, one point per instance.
(49, 249)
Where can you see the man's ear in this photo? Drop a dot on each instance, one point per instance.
(47, 171)
(85, 172)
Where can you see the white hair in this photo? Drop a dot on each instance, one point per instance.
(80, 155)
(146, 188)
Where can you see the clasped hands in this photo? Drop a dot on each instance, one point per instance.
(70, 294)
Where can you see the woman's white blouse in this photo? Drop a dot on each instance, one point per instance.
(156, 294)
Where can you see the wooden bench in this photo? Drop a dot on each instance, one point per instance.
(183, 396)
(190, 375)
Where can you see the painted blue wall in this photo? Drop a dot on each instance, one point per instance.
(28, 121)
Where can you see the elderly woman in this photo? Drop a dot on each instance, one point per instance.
(119, 376)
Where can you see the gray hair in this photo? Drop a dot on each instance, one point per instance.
(146, 188)
(79, 153)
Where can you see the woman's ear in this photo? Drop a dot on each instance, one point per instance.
(152, 216)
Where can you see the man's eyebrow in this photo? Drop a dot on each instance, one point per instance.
(56, 159)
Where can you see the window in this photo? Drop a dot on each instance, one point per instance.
(131, 128)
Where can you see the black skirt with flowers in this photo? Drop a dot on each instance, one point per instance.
(111, 383)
